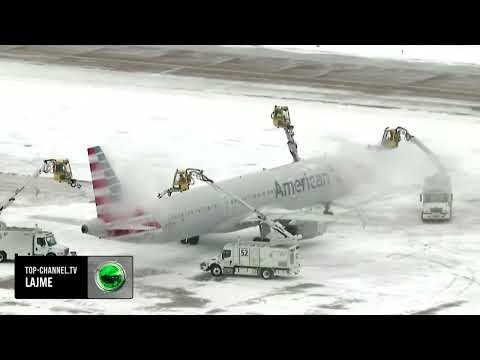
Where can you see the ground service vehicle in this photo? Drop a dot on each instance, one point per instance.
(254, 258)
(28, 242)
(436, 198)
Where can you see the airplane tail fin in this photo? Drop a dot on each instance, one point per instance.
(106, 185)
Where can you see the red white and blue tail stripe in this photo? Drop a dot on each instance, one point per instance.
(106, 186)
(111, 206)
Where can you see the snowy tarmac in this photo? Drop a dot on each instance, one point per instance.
(377, 257)
(267, 65)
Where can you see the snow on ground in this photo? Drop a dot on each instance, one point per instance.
(376, 258)
(450, 54)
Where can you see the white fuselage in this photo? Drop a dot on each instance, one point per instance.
(203, 210)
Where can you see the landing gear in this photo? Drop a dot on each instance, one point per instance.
(191, 240)
(326, 210)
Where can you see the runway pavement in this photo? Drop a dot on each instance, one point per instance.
(260, 65)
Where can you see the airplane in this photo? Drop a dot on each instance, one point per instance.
(187, 216)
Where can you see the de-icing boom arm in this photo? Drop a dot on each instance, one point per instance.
(430, 154)
(9, 201)
(62, 174)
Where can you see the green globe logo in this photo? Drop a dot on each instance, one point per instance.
(110, 276)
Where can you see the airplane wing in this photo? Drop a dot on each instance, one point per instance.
(310, 214)
(307, 222)
(312, 221)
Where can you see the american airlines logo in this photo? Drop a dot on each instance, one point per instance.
(306, 183)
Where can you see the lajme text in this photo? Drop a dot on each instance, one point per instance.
(38, 282)
(45, 281)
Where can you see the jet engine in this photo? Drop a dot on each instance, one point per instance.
(94, 227)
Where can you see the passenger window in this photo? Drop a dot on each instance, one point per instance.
(41, 242)
(226, 254)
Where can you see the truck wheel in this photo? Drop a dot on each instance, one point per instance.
(190, 241)
(51, 254)
(216, 270)
(421, 218)
(3, 257)
(193, 240)
(266, 274)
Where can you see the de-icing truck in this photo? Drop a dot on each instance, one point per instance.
(29, 242)
(436, 198)
(255, 258)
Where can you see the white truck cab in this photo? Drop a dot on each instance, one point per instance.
(28, 242)
(436, 199)
(254, 258)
